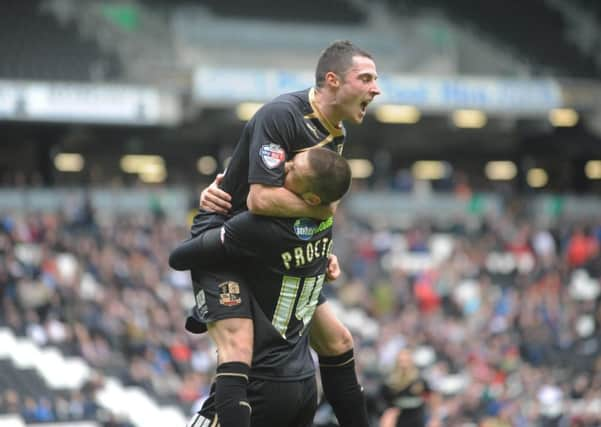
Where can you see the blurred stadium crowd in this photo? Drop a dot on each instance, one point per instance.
(502, 318)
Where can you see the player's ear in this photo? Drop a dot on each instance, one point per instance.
(311, 199)
(332, 79)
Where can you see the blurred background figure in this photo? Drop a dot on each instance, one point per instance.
(408, 398)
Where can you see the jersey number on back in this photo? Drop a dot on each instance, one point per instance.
(305, 306)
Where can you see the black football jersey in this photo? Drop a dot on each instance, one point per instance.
(288, 124)
(284, 264)
(410, 399)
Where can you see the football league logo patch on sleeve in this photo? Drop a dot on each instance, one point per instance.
(272, 155)
(229, 294)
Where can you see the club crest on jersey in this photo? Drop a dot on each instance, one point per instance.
(304, 228)
(229, 294)
(272, 155)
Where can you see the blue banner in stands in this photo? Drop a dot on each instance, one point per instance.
(226, 86)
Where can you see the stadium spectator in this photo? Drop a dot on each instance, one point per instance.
(478, 360)
(582, 247)
(407, 395)
(37, 411)
(10, 402)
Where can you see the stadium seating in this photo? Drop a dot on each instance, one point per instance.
(36, 46)
(542, 40)
(592, 6)
(43, 373)
(333, 12)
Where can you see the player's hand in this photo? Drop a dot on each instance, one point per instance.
(333, 270)
(214, 199)
(389, 417)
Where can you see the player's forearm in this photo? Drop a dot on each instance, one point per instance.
(280, 202)
(201, 251)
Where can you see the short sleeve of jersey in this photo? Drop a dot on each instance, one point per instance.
(243, 235)
(322, 298)
(271, 139)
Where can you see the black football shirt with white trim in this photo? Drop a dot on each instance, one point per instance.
(280, 129)
(283, 261)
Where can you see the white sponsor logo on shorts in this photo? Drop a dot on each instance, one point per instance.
(199, 421)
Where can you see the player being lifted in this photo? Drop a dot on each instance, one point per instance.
(283, 262)
(345, 83)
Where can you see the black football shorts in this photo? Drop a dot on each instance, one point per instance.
(218, 296)
(273, 403)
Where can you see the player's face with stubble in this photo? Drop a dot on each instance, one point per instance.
(297, 172)
(358, 87)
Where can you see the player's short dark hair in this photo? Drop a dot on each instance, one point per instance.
(338, 58)
(331, 174)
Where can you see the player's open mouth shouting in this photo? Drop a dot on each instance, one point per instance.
(363, 107)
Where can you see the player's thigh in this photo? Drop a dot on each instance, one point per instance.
(223, 302)
(282, 404)
(233, 338)
(329, 336)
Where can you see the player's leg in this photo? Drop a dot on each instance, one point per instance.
(233, 338)
(224, 304)
(329, 337)
(334, 344)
